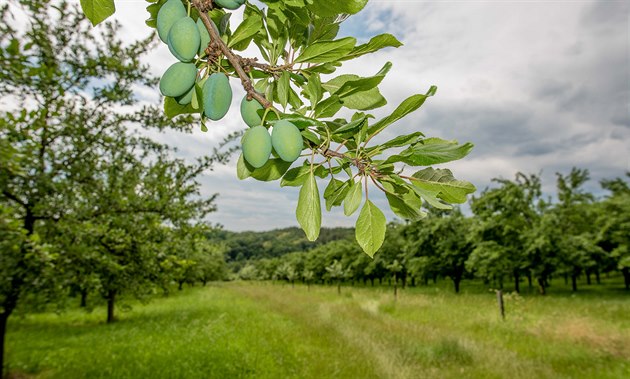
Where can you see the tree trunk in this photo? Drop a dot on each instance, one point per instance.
(395, 290)
(84, 294)
(404, 281)
(626, 277)
(529, 279)
(181, 285)
(588, 278)
(517, 282)
(541, 286)
(566, 279)
(413, 281)
(10, 301)
(456, 281)
(4, 316)
(111, 298)
(574, 282)
(204, 282)
(372, 281)
(598, 280)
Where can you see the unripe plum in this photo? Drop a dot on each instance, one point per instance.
(256, 144)
(169, 13)
(178, 79)
(287, 141)
(217, 96)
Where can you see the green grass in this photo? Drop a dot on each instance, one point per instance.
(242, 330)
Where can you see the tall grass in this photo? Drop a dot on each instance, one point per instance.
(260, 330)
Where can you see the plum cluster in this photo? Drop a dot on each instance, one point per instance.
(187, 41)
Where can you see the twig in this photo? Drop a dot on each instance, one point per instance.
(234, 60)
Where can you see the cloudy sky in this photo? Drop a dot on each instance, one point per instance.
(537, 86)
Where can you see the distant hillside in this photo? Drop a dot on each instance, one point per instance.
(275, 243)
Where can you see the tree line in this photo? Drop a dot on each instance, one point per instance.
(513, 235)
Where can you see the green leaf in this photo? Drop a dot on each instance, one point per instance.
(370, 228)
(296, 177)
(313, 90)
(324, 8)
(335, 193)
(444, 183)
(432, 151)
(352, 126)
(172, 108)
(365, 101)
(274, 169)
(242, 169)
(309, 210)
(376, 43)
(327, 51)
(431, 197)
(404, 203)
(346, 85)
(407, 106)
(309, 135)
(328, 107)
(283, 89)
(353, 199)
(402, 140)
(243, 35)
(98, 10)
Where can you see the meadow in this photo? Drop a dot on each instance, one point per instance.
(265, 330)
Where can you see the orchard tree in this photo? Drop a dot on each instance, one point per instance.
(614, 224)
(67, 94)
(444, 240)
(293, 94)
(544, 242)
(578, 246)
(337, 273)
(505, 215)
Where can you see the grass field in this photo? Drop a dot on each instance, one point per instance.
(244, 330)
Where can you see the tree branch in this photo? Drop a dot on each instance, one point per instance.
(234, 59)
(11, 196)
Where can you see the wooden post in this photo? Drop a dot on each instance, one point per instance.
(501, 306)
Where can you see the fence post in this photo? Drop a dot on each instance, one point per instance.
(501, 306)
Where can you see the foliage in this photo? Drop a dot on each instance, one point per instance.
(86, 198)
(294, 83)
(511, 227)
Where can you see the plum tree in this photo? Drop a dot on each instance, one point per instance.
(300, 98)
